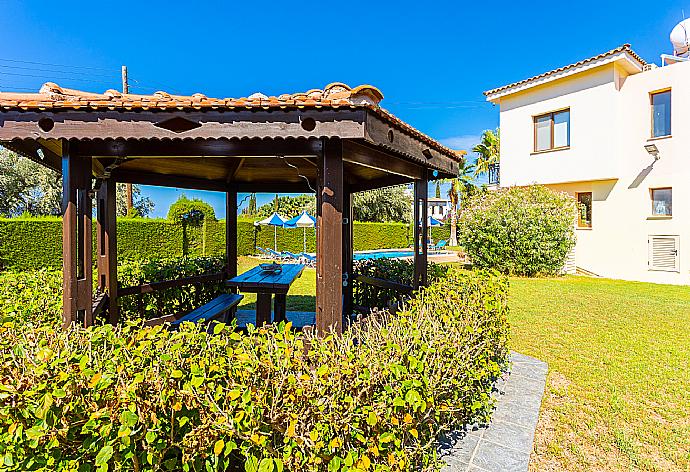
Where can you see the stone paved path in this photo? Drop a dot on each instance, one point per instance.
(506, 443)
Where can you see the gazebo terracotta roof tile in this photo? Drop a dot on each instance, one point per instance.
(624, 48)
(52, 97)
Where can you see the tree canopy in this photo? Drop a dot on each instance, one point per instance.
(488, 151)
(391, 204)
(288, 206)
(191, 211)
(27, 187)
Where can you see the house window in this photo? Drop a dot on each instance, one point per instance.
(662, 202)
(552, 131)
(661, 114)
(584, 210)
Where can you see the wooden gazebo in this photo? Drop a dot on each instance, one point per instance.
(333, 142)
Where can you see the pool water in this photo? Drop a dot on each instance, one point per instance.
(362, 256)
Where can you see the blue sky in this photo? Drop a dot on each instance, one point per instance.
(431, 60)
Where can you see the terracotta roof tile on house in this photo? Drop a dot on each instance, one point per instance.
(52, 97)
(624, 48)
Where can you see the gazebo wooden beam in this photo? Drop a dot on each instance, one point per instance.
(201, 148)
(163, 180)
(231, 231)
(368, 156)
(77, 283)
(210, 124)
(106, 246)
(329, 243)
(421, 195)
(347, 255)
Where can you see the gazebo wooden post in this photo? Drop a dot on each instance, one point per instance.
(421, 193)
(231, 231)
(76, 238)
(329, 243)
(348, 272)
(106, 246)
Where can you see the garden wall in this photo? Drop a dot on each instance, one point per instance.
(33, 243)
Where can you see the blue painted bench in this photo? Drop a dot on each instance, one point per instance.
(215, 310)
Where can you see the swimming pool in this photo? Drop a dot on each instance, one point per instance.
(362, 256)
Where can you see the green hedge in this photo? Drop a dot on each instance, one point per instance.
(148, 399)
(35, 243)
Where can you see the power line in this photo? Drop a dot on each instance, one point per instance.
(91, 81)
(34, 69)
(54, 65)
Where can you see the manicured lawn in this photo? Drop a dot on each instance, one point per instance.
(618, 389)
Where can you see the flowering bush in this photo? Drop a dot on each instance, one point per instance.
(148, 399)
(519, 230)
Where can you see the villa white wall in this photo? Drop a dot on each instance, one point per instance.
(591, 99)
(610, 124)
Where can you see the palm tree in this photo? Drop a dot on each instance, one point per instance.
(487, 151)
(462, 185)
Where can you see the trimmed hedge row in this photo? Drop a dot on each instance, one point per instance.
(147, 399)
(35, 243)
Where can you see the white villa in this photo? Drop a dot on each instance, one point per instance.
(613, 131)
(438, 208)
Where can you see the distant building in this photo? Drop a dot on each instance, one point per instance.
(439, 208)
(613, 131)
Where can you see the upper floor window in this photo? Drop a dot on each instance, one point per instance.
(662, 199)
(661, 114)
(552, 130)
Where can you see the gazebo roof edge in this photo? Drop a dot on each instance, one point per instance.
(52, 97)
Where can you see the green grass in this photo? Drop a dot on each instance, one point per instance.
(618, 389)
(302, 294)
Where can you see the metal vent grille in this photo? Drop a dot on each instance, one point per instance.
(663, 253)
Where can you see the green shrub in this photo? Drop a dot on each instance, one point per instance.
(171, 301)
(395, 270)
(520, 230)
(33, 298)
(146, 399)
(36, 297)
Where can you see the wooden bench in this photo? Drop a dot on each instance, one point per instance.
(212, 311)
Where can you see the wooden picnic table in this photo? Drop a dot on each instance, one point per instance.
(265, 285)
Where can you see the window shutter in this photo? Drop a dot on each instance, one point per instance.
(570, 267)
(663, 253)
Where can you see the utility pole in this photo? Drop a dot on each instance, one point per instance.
(130, 192)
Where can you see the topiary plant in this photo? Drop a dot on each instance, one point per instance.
(192, 212)
(521, 230)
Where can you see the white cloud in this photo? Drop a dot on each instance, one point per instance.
(465, 141)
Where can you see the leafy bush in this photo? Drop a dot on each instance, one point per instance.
(148, 399)
(33, 298)
(192, 212)
(395, 270)
(171, 301)
(520, 230)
